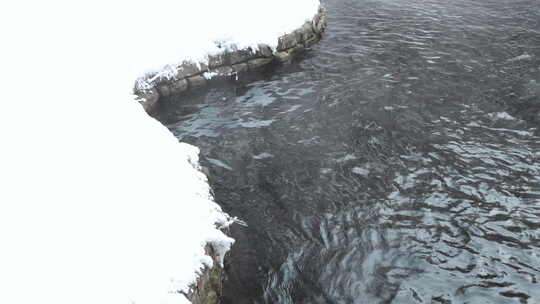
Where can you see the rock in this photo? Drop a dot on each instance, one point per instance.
(188, 69)
(205, 170)
(258, 63)
(283, 56)
(319, 22)
(216, 61)
(296, 50)
(321, 25)
(240, 56)
(224, 71)
(203, 67)
(265, 50)
(208, 288)
(286, 56)
(190, 75)
(164, 90)
(305, 32)
(287, 41)
(314, 23)
(148, 98)
(240, 67)
(311, 41)
(197, 82)
(178, 86)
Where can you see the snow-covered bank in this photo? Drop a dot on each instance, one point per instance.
(230, 63)
(208, 27)
(98, 202)
(270, 38)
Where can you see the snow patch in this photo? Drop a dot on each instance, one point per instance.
(210, 75)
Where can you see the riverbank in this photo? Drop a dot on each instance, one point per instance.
(230, 62)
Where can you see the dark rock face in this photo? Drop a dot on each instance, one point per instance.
(216, 61)
(258, 63)
(265, 51)
(242, 56)
(221, 284)
(224, 71)
(191, 76)
(306, 32)
(287, 42)
(188, 69)
(240, 67)
(209, 286)
(148, 98)
(177, 86)
(197, 81)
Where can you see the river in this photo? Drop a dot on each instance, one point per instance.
(396, 161)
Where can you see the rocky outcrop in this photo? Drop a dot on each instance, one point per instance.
(207, 290)
(232, 62)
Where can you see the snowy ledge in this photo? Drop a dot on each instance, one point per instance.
(189, 75)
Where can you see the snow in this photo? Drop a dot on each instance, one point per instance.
(98, 202)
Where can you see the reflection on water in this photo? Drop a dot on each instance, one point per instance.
(397, 162)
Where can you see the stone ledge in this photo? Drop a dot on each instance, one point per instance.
(189, 76)
(207, 290)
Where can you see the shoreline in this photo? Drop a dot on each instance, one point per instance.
(229, 64)
(190, 76)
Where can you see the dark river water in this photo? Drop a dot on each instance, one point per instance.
(397, 161)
